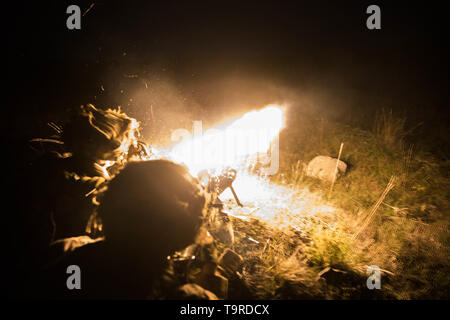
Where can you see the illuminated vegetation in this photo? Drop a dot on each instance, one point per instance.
(407, 236)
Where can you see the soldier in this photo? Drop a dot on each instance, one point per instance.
(150, 209)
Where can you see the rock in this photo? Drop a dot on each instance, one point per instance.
(323, 168)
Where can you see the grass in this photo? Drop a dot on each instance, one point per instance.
(407, 237)
(388, 128)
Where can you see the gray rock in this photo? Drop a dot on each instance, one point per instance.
(323, 168)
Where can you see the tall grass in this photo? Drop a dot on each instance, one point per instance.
(389, 128)
(407, 238)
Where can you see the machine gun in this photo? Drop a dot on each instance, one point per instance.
(217, 183)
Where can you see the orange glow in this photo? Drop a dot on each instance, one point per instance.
(230, 145)
(279, 206)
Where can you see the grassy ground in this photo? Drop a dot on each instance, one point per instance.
(406, 236)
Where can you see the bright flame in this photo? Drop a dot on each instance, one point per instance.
(232, 144)
(279, 206)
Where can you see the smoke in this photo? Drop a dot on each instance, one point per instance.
(164, 96)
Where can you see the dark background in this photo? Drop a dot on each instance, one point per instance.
(321, 48)
(210, 60)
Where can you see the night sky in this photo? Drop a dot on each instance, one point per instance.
(296, 43)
